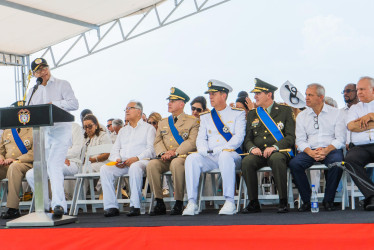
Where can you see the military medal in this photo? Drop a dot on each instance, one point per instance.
(280, 125)
(185, 135)
(226, 129)
(26, 143)
(209, 131)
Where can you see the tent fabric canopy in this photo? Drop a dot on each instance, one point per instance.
(28, 26)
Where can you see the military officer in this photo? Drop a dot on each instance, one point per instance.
(220, 136)
(16, 158)
(176, 135)
(270, 127)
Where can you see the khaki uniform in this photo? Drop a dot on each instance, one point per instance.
(188, 127)
(257, 135)
(16, 171)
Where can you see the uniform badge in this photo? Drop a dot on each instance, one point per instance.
(226, 129)
(26, 143)
(280, 125)
(24, 116)
(163, 131)
(38, 61)
(172, 90)
(185, 135)
(255, 122)
(209, 131)
(210, 84)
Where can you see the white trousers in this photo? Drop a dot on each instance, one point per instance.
(67, 171)
(227, 162)
(57, 142)
(108, 174)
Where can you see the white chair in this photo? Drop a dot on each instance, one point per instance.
(79, 195)
(4, 196)
(265, 198)
(354, 192)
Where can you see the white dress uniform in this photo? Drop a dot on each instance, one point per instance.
(131, 142)
(73, 155)
(210, 139)
(57, 137)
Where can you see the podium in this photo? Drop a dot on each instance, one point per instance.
(37, 117)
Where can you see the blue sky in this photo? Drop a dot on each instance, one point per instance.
(328, 42)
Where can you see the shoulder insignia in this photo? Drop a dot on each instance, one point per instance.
(233, 108)
(190, 116)
(283, 104)
(203, 113)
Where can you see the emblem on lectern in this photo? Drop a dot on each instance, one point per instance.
(24, 116)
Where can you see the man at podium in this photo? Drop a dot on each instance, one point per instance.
(58, 137)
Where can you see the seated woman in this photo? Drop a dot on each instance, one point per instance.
(154, 118)
(198, 105)
(94, 136)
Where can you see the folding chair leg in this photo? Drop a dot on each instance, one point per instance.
(290, 192)
(202, 183)
(239, 193)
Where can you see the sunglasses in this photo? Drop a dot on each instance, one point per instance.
(348, 91)
(152, 123)
(88, 126)
(108, 125)
(197, 109)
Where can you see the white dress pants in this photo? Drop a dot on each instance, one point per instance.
(67, 171)
(227, 162)
(108, 175)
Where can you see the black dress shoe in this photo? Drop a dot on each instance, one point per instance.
(159, 209)
(283, 206)
(58, 212)
(11, 214)
(369, 204)
(177, 209)
(305, 207)
(134, 212)
(111, 212)
(329, 206)
(253, 207)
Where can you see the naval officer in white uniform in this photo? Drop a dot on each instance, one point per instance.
(220, 130)
(58, 137)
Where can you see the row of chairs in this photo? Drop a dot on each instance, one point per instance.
(81, 200)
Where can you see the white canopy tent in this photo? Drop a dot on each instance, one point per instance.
(39, 26)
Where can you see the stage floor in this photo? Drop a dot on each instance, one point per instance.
(210, 217)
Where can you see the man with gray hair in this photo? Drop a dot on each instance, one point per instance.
(117, 124)
(360, 121)
(133, 145)
(320, 137)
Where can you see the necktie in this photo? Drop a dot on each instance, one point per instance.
(175, 120)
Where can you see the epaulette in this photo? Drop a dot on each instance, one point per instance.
(233, 108)
(284, 104)
(203, 113)
(190, 116)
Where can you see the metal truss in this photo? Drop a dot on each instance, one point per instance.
(124, 29)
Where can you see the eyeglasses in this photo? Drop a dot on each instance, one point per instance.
(88, 126)
(153, 123)
(316, 126)
(129, 108)
(108, 125)
(38, 71)
(348, 91)
(197, 109)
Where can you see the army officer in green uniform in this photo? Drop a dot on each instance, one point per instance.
(270, 127)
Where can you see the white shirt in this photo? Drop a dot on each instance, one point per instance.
(133, 142)
(331, 130)
(345, 112)
(74, 152)
(209, 138)
(356, 111)
(58, 92)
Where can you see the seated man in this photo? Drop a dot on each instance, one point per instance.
(134, 144)
(267, 131)
(72, 161)
(116, 125)
(175, 136)
(360, 121)
(221, 132)
(16, 158)
(320, 137)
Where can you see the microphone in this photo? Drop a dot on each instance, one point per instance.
(39, 81)
(336, 164)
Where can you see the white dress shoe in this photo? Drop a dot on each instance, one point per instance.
(191, 209)
(228, 208)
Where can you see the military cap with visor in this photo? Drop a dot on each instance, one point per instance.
(261, 86)
(177, 94)
(37, 63)
(215, 85)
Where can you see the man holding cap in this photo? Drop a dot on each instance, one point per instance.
(58, 137)
(270, 127)
(176, 135)
(220, 136)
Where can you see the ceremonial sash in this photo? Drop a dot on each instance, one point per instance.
(18, 141)
(271, 126)
(175, 131)
(219, 125)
